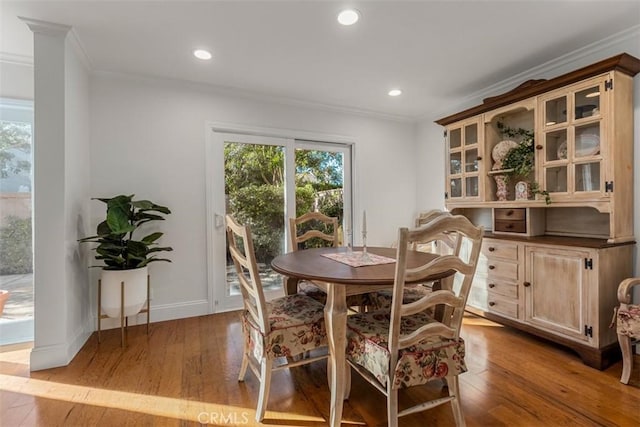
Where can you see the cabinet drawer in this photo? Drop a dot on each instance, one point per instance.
(501, 269)
(497, 249)
(518, 214)
(511, 226)
(503, 307)
(507, 289)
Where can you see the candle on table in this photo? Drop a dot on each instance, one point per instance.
(364, 222)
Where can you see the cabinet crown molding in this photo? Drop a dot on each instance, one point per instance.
(624, 63)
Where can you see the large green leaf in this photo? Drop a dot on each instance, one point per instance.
(118, 221)
(159, 249)
(152, 237)
(146, 205)
(122, 202)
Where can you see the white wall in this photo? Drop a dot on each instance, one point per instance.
(76, 198)
(148, 139)
(430, 141)
(16, 80)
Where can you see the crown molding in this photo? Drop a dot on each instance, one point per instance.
(44, 27)
(78, 47)
(12, 58)
(542, 70)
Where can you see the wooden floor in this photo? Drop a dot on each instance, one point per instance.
(185, 373)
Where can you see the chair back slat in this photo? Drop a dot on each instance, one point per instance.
(443, 244)
(246, 266)
(299, 231)
(454, 300)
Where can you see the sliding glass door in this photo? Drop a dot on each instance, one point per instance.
(263, 181)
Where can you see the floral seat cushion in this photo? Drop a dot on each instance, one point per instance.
(367, 346)
(628, 323)
(382, 299)
(297, 326)
(311, 290)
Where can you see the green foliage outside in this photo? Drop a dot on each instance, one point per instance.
(16, 254)
(254, 185)
(14, 136)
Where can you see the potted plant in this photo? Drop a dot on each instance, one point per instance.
(125, 257)
(518, 163)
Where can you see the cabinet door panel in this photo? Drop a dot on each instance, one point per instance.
(556, 298)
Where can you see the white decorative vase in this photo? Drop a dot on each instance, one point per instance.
(135, 291)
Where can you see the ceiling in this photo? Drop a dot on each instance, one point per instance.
(437, 52)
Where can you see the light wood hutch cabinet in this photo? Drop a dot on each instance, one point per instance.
(552, 269)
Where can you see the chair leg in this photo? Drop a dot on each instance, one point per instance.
(265, 382)
(454, 391)
(392, 406)
(243, 366)
(627, 358)
(347, 381)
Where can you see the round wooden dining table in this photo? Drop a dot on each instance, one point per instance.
(340, 280)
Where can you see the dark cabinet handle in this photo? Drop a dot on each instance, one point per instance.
(491, 249)
(527, 284)
(491, 304)
(479, 158)
(492, 267)
(539, 147)
(510, 212)
(509, 226)
(492, 285)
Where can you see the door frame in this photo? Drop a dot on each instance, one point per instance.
(215, 133)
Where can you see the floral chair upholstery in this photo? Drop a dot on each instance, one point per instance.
(404, 346)
(282, 328)
(627, 325)
(368, 338)
(296, 326)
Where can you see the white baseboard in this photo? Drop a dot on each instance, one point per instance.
(52, 356)
(160, 313)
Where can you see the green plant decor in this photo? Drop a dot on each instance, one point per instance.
(117, 247)
(535, 189)
(521, 158)
(519, 161)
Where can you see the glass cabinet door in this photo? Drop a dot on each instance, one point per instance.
(571, 140)
(464, 156)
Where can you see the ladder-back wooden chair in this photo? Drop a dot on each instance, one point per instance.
(405, 347)
(445, 244)
(281, 328)
(313, 230)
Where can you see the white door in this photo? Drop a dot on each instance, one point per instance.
(258, 179)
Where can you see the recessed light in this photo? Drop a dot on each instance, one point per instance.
(202, 54)
(592, 94)
(348, 17)
(395, 92)
(551, 123)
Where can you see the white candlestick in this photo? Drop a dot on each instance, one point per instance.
(364, 222)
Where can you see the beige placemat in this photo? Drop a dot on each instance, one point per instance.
(357, 259)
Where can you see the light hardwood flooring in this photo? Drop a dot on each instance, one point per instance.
(185, 373)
